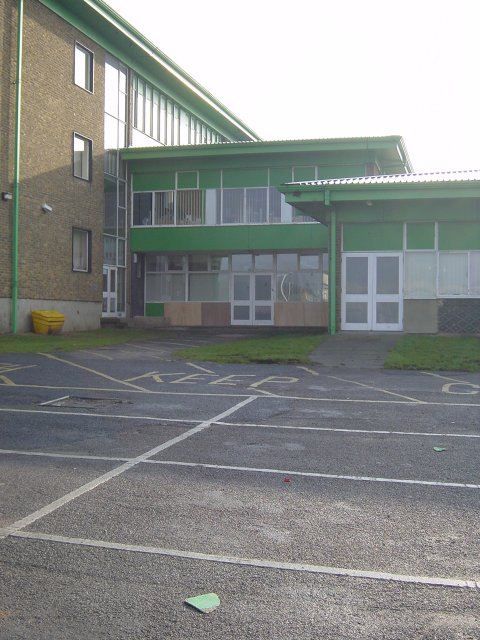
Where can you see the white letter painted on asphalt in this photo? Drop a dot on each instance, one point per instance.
(473, 388)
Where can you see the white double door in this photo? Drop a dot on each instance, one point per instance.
(252, 298)
(372, 291)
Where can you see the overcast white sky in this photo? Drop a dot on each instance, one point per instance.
(313, 69)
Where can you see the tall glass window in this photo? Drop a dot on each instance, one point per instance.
(115, 214)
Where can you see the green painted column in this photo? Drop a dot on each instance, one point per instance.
(16, 168)
(332, 274)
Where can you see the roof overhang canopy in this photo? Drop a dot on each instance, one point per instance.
(391, 149)
(318, 198)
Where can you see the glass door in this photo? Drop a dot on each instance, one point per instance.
(241, 298)
(252, 298)
(372, 291)
(262, 298)
(387, 300)
(356, 292)
(109, 307)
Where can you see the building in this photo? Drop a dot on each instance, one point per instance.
(130, 193)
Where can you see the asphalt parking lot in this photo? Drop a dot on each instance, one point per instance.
(310, 499)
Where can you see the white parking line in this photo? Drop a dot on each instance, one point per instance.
(456, 583)
(369, 386)
(140, 390)
(113, 473)
(97, 373)
(313, 474)
(44, 404)
(314, 373)
(337, 430)
(204, 369)
(98, 415)
(437, 375)
(48, 454)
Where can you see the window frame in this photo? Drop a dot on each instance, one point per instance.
(90, 156)
(91, 55)
(88, 234)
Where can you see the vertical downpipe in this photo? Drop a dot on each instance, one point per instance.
(332, 273)
(16, 169)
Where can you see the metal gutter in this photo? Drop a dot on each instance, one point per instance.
(16, 168)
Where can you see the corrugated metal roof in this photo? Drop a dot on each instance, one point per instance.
(393, 138)
(431, 177)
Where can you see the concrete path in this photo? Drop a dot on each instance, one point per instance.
(356, 351)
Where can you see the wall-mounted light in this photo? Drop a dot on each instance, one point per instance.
(369, 203)
(46, 208)
(6, 195)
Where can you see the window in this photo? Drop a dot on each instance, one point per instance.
(453, 274)
(82, 157)
(83, 68)
(81, 250)
(420, 274)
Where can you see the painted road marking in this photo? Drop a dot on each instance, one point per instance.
(471, 389)
(5, 367)
(274, 380)
(247, 395)
(369, 386)
(313, 474)
(97, 373)
(47, 454)
(98, 415)
(196, 366)
(456, 583)
(96, 353)
(336, 430)
(314, 373)
(7, 382)
(113, 473)
(44, 404)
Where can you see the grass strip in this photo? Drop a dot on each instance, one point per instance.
(285, 348)
(435, 353)
(33, 343)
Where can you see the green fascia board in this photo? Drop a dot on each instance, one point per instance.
(106, 27)
(420, 235)
(298, 195)
(383, 236)
(458, 236)
(276, 237)
(260, 147)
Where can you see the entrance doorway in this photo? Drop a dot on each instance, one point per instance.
(109, 308)
(252, 298)
(372, 291)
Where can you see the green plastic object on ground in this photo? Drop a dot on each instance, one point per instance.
(438, 449)
(204, 603)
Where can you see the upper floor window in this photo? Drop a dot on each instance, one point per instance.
(81, 243)
(83, 67)
(82, 157)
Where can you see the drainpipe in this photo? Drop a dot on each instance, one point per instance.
(332, 272)
(16, 167)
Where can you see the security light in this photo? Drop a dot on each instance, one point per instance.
(46, 208)
(6, 195)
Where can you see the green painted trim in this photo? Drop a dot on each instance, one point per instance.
(187, 179)
(458, 236)
(229, 238)
(303, 173)
(16, 167)
(332, 275)
(155, 309)
(380, 236)
(302, 196)
(260, 147)
(420, 235)
(210, 179)
(153, 181)
(245, 177)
